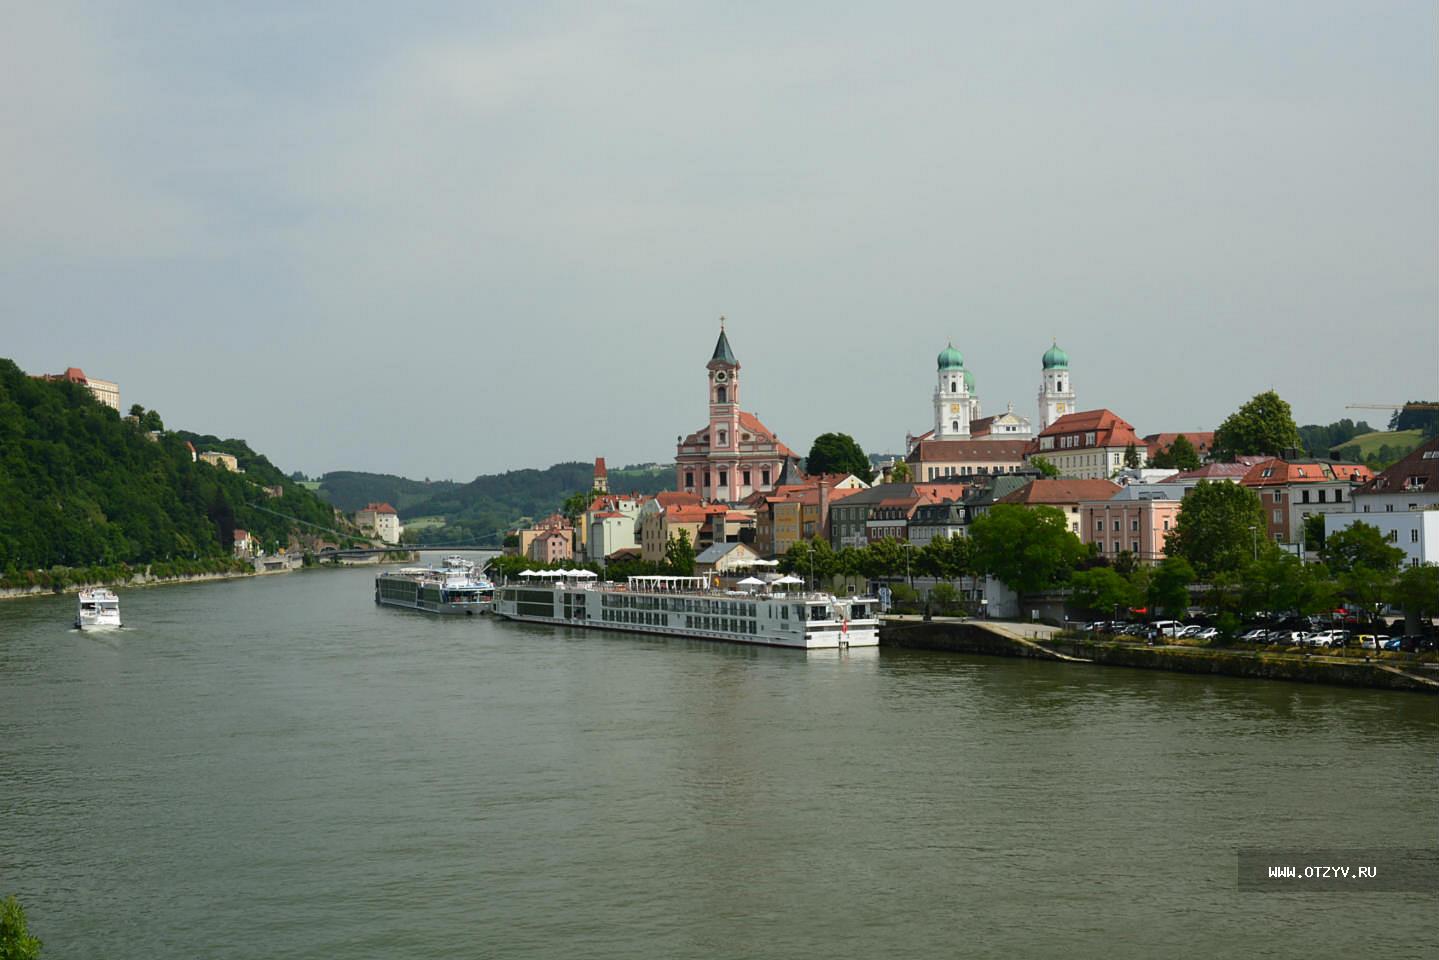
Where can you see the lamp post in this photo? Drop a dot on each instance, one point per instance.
(1254, 533)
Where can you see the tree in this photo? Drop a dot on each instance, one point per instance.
(1264, 425)
(1417, 415)
(1131, 456)
(1044, 467)
(16, 942)
(1314, 532)
(899, 473)
(1179, 455)
(151, 421)
(811, 558)
(1027, 549)
(1220, 527)
(577, 503)
(1169, 587)
(1416, 592)
(1102, 590)
(947, 558)
(837, 453)
(1360, 545)
(680, 554)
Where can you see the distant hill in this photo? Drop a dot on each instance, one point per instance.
(82, 487)
(350, 490)
(483, 509)
(1381, 448)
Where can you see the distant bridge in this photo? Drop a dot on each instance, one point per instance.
(356, 552)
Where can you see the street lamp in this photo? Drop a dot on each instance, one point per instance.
(1254, 532)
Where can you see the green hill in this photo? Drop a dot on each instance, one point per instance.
(351, 489)
(1381, 448)
(82, 487)
(483, 509)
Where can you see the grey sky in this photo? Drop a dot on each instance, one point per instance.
(445, 239)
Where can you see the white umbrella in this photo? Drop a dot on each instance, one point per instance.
(586, 574)
(528, 573)
(765, 563)
(789, 580)
(750, 582)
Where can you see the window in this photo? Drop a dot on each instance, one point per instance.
(1133, 526)
(1116, 546)
(1338, 496)
(720, 396)
(1276, 496)
(1116, 526)
(1100, 544)
(764, 478)
(954, 425)
(1393, 536)
(724, 478)
(1099, 526)
(723, 438)
(707, 478)
(689, 478)
(1278, 516)
(1413, 536)
(1134, 547)
(745, 477)
(1321, 496)
(1388, 508)
(1304, 496)
(1166, 524)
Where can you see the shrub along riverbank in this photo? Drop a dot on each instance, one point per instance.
(61, 579)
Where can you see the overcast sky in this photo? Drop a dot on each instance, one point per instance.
(457, 238)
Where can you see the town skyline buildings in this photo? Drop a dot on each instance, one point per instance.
(536, 217)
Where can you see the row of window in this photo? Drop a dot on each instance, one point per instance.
(724, 478)
(1133, 546)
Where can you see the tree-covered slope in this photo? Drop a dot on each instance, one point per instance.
(350, 490)
(79, 486)
(487, 506)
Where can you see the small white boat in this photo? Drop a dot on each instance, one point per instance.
(99, 609)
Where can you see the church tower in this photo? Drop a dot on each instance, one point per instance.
(1056, 392)
(952, 407)
(724, 432)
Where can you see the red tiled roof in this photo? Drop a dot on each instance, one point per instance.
(940, 492)
(1203, 441)
(670, 498)
(686, 513)
(1046, 490)
(380, 507)
(978, 451)
(1274, 473)
(1211, 471)
(1108, 428)
(600, 470)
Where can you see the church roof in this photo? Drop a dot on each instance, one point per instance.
(723, 353)
(950, 359)
(748, 422)
(979, 451)
(1056, 359)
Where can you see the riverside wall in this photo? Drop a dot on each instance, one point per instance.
(980, 638)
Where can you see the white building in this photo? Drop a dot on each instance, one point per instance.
(1416, 532)
(380, 519)
(957, 409)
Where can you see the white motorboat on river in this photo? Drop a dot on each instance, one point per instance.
(99, 608)
(692, 607)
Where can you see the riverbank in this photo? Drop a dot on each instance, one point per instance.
(136, 580)
(982, 637)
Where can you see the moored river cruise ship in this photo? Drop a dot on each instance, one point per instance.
(434, 591)
(690, 607)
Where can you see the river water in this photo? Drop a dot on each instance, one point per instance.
(276, 767)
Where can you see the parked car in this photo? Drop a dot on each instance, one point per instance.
(1254, 636)
(1326, 638)
(1394, 643)
(1290, 638)
(1206, 633)
(1190, 630)
(1372, 641)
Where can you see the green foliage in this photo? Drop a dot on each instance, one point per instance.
(82, 488)
(1102, 590)
(1027, 549)
(945, 599)
(947, 558)
(577, 503)
(1361, 545)
(680, 554)
(1280, 582)
(1131, 456)
(1380, 450)
(1412, 417)
(837, 453)
(1314, 532)
(813, 558)
(1319, 440)
(16, 941)
(1416, 591)
(1169, 587)
(1264, 425)
(1220, 527)
(1179, 455)
(1044, 467)
(899, 473)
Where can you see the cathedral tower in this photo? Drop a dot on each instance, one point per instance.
(952, 407)
(1056, 392)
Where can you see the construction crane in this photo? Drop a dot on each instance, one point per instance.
(1391, 406)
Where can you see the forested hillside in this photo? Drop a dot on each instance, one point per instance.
(81, 487)
(483, 509)
(350, 490)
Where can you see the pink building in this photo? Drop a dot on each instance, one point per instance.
(551, 546)
(1120, 524)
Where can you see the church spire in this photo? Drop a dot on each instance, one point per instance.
(723, 353)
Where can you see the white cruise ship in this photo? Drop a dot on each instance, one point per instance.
(99, 609)
(434, 591)
(689, 607)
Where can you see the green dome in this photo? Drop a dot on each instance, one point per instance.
(951, 359)
(969, 381)
(1055, 358)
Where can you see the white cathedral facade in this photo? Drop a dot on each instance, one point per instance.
(957, 414)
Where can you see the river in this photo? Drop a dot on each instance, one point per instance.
(276, 767)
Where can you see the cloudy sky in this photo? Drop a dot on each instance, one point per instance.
(454, 238)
